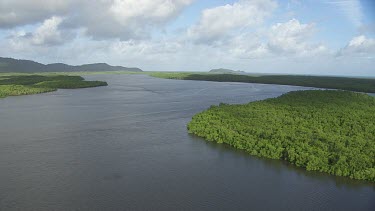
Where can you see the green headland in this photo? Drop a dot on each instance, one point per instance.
(328, 82)
(14, 85)
(326, 131)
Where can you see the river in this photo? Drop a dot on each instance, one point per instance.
(126, 147)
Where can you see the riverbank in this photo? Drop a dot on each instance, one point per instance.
(326, 131)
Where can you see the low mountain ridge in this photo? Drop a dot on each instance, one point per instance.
(226, 71)
(28, 66)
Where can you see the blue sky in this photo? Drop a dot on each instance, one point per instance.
(330, 37)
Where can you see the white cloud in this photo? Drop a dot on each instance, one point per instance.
(125, 11)
(20, 12)
(127, 19)
(359, 46)
(218, 22)
(124, 19)
(291, 38)
(245, 46)
(47, 34)
(236, 29)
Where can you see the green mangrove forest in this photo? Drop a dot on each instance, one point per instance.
(325, 131)
(328, 82)
(14, 85)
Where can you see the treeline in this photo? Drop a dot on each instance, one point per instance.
(326, 131)
(343, 83)
(35, 84)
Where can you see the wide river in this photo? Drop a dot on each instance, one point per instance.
(126, 147)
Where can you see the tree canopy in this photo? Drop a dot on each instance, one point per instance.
(326, 131)
(329, 82)
(14, 85)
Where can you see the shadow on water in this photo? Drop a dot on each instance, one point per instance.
(281, 165)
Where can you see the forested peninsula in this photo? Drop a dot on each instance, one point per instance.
(328, 82)
(326, 131)
(14, 85)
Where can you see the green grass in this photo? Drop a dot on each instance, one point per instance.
(326, 131)
(24, 84)
(342, 83)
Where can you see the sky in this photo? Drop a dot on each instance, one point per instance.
(315, 37)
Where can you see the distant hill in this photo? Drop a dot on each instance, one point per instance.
(27, 66)
(227, 71)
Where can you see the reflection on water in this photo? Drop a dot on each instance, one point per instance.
(125, 146)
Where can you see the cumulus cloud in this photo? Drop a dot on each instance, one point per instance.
(19, 12)
(245, 46)
(47, 34)
(359, 46)
(236, 28)
(287, 39)
(124, 19)
(219, 21)
(156, 10)
(292, 38)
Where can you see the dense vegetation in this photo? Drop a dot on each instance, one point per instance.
(350, 84)
(171, 75)
(326, 131)
(14, 85)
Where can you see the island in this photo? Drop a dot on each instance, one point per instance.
(319, 130)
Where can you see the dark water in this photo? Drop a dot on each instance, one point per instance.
(125, 146)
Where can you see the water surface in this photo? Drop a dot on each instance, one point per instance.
(125, 146)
